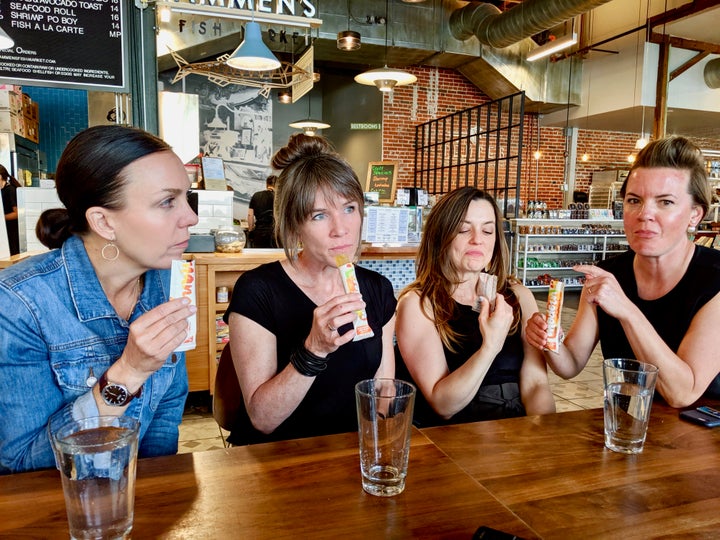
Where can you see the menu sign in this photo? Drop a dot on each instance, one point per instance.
(73, 43)
(381, 179)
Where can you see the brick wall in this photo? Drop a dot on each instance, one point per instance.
(541, 179)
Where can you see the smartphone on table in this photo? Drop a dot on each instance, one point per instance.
(704, 416)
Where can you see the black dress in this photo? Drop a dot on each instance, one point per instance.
(9, 200)
(270, 298)
(262, 236)
(671, 314)
(499, 392)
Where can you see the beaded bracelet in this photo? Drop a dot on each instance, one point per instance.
(307, 363)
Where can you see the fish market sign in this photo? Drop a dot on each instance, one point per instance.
(291, 12)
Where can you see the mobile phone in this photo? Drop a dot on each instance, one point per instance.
(486, 533)
(697, 416)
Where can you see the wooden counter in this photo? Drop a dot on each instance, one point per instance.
(222, 270)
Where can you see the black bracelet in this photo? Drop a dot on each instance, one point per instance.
(306, 363)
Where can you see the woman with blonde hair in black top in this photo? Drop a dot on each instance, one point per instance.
(659, 302)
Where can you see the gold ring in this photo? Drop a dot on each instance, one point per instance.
(331, 328)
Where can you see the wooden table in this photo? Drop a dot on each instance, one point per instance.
(536, 477)
(555, 474)
(309, 488)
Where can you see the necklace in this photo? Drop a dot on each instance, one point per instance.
(136, 296)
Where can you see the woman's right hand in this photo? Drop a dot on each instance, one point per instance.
(156, 334)
(336, 312)
(495, 326)
(536, 331)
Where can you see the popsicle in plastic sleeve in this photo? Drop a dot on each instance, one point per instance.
(182, 283)
(554, 307)
(487, 288)
(351, 285)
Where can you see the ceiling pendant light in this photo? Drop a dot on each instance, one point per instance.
(253, 54)
(5, 41)
(348, 40)
(284, 96)
(309, 125)
(385, 78)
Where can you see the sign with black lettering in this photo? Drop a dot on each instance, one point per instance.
(69, 43)
(381, 179)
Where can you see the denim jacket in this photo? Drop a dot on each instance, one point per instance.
(58, 335)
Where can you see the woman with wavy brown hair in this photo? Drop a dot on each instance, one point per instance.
(468, 365)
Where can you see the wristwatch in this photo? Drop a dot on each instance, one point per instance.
(116, 394)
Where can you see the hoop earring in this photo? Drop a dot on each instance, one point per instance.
(111, 246)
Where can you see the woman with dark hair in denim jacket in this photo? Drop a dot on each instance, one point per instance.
(87, 328)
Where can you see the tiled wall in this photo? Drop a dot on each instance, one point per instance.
(63, 114)
(31, 203)
(400, 272)
(214, 211)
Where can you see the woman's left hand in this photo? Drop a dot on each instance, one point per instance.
(495, 326)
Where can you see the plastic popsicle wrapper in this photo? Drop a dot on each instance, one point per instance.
(182, 283)
(351, 285)
(554, 307)
(486, 287)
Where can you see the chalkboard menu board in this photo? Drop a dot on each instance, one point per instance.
(70, 43)
(381, 179)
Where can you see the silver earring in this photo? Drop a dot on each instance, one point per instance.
(110, 246)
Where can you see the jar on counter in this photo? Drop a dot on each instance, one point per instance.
(221, 295)
(229, 240)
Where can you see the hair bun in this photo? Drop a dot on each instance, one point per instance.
(301, 146)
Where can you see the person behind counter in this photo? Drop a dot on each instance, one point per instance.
(468, 366)
(8, 185)
(87, 328)
(260, 217)
(291, 332)
(658, 302)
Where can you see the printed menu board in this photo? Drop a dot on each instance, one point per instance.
(70, 43)
(381, 179)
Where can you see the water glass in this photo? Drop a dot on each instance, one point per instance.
(629, 389)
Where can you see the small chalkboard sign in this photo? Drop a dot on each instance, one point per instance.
(381, 178)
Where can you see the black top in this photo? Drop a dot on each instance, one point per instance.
(499, 392)
(9, 200)
(269, 297)
(261, 204)
(671, 314)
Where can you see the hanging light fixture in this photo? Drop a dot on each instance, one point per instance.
(348, 40)
(284, 96)
(553, 46)
(309, 125)
(253, 54)
(386, 78)
(5, 41)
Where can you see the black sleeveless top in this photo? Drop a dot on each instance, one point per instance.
(671, 314)
(499, 392)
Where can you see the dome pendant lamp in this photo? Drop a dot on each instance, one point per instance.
(385, 78)
(253, 54)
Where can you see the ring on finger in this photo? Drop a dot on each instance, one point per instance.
(331, 327)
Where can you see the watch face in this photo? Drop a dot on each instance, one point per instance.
(114, 394)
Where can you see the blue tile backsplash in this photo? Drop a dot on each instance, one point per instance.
(400, 272)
